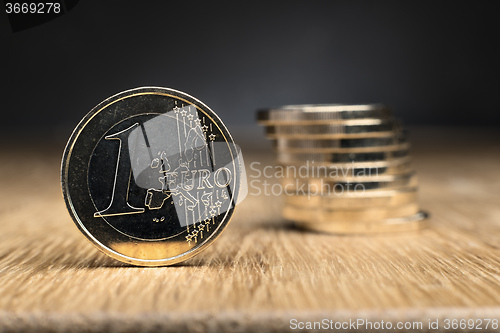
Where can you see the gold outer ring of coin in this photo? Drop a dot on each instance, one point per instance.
(414, 222)
(326, 215)
(387, 198)
(339, 158)
(293, 113)
(337, 186)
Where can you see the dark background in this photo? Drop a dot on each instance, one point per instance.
(435, 63)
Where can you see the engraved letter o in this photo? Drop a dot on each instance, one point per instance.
(216, 177)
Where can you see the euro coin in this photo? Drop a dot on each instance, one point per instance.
(151, 176)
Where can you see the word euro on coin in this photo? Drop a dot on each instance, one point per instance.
(151, 176)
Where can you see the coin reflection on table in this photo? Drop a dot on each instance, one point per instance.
(151, 176)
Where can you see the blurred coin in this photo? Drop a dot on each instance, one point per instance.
(320, 112)
(388, 198)
(339, 122)
(344, 168)
(332, 131)
(413, 222)
(315, 132)
(287, 157)
(374, 149)
(339, 186)
(341, 145)
(354, 169)
(369, 214)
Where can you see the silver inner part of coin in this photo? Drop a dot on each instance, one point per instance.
(170, 166)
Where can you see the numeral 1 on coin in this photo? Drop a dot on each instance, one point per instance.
(119, 198)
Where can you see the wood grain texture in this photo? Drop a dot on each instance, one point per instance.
(261, 272)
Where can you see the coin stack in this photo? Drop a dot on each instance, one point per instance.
(346, 168)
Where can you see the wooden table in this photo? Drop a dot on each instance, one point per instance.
(262, 273)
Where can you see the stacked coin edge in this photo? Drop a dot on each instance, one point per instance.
(351, 147)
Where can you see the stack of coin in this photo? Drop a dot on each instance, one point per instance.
(346, 168)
